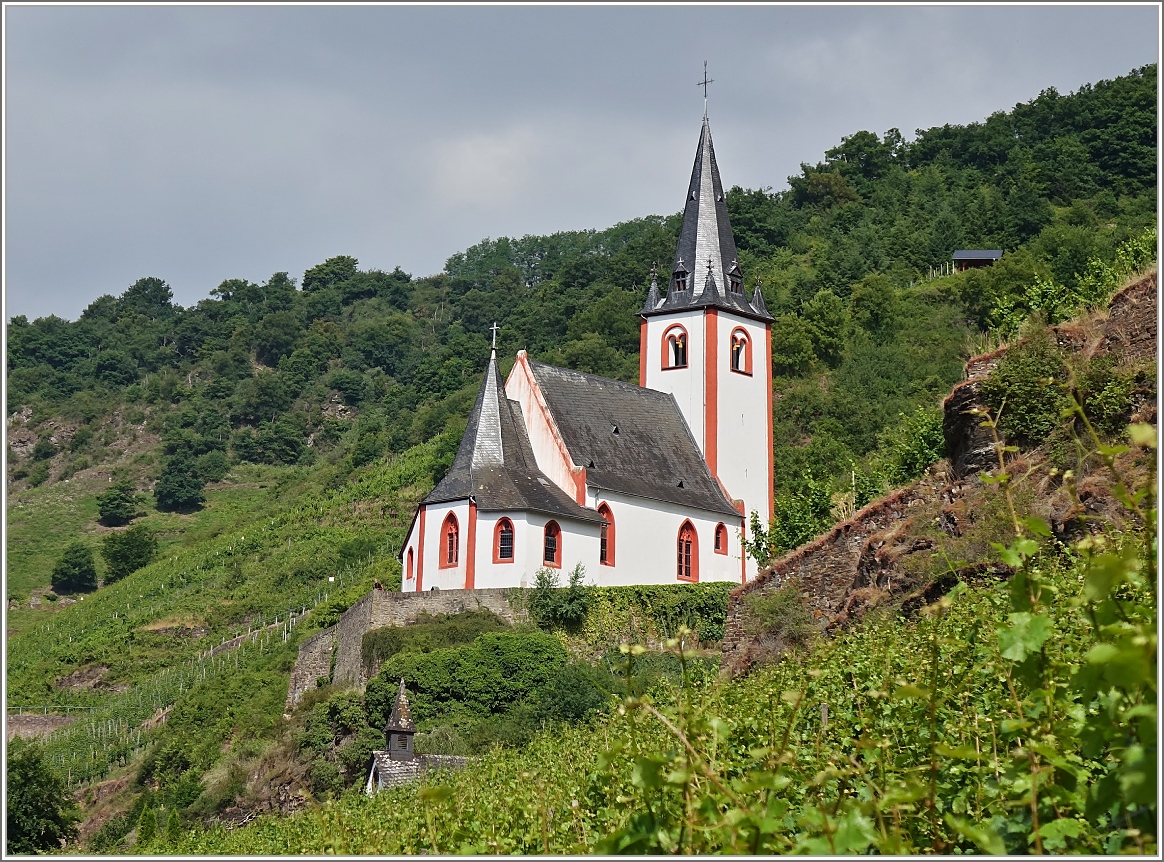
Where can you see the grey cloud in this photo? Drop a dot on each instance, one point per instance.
(203, 143)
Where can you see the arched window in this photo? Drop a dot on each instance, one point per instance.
(675, 347)
(606, 536)
(721, 539)
(741, 351)
(552, 546)
(687, 554)
(411, 561)
(503, 541)
(450, 542)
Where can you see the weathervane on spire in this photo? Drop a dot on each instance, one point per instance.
(706, 80)
(495, 327)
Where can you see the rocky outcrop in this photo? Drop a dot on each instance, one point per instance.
(880, 552)
(1127, 328)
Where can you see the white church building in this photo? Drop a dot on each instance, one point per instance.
(647, 484)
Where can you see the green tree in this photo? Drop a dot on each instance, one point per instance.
(44, 449)
(825, 316)
(40, 813)
(873, 304)
(75, 571)
(791, 345)
(332, 271)
(173, 827)
(128, 551)
(147, 826)
(118, 505)
(277, 335)
(179, 488)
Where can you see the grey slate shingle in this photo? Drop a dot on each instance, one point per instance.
(705, 236)
(649, 454)
(495, 463)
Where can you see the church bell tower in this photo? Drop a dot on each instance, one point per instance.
(710, 346)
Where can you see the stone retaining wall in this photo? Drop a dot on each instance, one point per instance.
(313, 661)
(378, 609)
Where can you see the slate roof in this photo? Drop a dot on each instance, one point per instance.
(630, 439)
(707, 249)
(495, 463)
(385, 772)
(978, 254)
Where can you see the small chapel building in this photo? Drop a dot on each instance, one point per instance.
(646, 484)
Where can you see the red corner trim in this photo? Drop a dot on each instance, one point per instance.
(643, 352)
(768, 386)
(711, 390)
(420, 555)
(471, 549)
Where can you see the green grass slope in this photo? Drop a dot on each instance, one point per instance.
(978, 727)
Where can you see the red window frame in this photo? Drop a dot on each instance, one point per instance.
(687, 554)
(408, 571)
(497, 530)
(552, 531)
(721, 539)
(672, 334)
(741, 338)
(606, 536)
(450, 548)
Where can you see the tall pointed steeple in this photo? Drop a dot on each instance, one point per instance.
(706, 235)
(488, 447)
(706, 271)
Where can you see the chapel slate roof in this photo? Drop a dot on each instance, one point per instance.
(386, 772)
(630, 440)
(707, 250)
(495, 463)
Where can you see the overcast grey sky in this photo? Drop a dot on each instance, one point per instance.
(198, 144)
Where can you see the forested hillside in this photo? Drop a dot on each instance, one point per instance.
(178, 476)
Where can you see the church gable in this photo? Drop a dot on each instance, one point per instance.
(630, 440)
(495, 464)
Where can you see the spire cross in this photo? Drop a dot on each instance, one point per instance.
(706, 80)
(494, 328)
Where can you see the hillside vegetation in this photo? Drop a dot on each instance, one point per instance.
(275, 438)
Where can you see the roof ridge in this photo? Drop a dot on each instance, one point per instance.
(629, 386)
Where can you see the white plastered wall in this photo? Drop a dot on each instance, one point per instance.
(686, 384)
(549, 454)
(488, 574)
(646, 533)
(453, 577)
(743, 420)
(408, 585)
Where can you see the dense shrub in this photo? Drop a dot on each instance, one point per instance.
(128, 551)
(1024, 393)
(40, 813)
(489, 676)
(427, 633)
(75, 571)
(551, 606)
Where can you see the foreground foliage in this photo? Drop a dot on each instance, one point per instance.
(1008, 719)
(40, 815)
